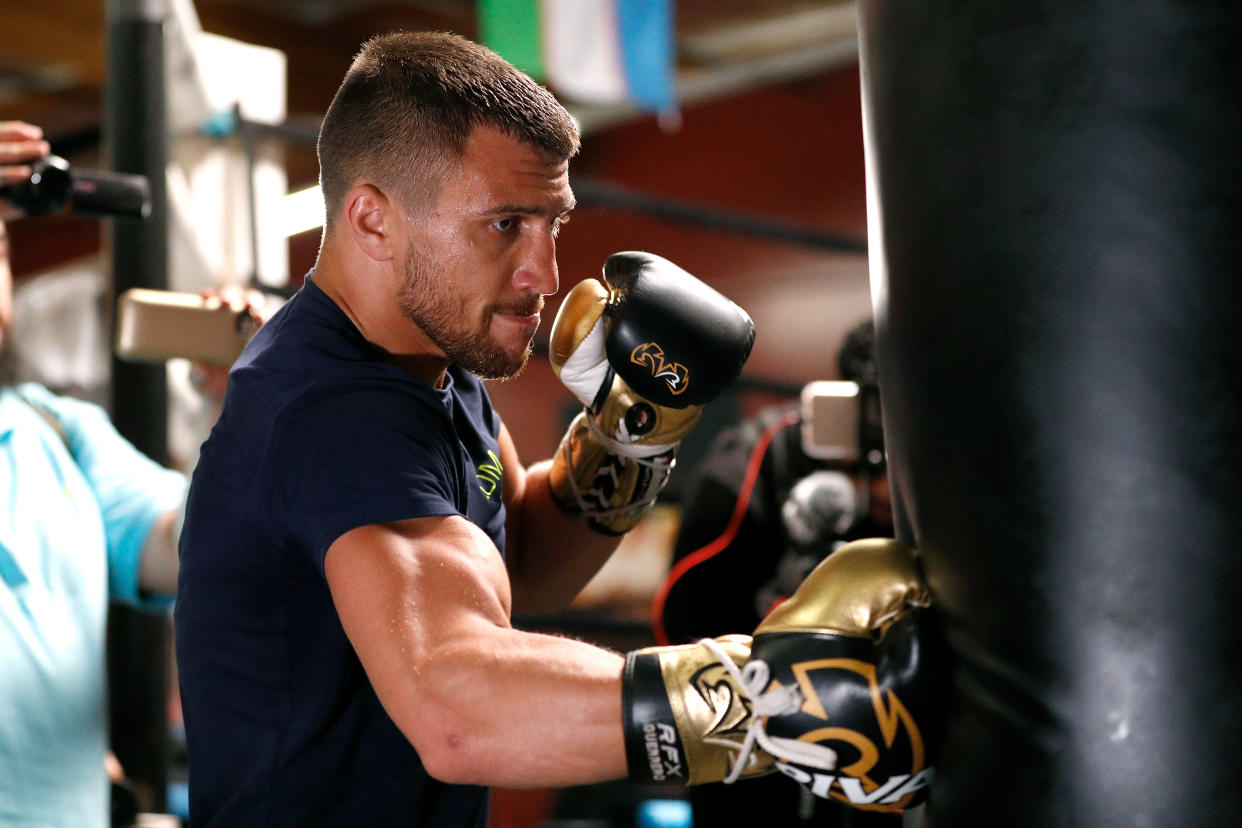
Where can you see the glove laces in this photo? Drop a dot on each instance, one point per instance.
(624, 443)
(643, 455)
(753, 680)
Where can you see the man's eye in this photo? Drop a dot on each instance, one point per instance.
(504, 225)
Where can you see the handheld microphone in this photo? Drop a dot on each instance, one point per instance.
(821, 508)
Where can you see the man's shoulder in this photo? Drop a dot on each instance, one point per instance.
(306, 355)
(357, 403)
(307, 333)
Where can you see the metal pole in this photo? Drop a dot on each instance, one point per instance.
(134, 129)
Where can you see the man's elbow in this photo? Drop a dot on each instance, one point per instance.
(446, 710)
(450, 752)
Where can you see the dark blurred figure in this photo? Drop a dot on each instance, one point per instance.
(765, 508)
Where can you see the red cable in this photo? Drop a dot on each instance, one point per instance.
(714, 548)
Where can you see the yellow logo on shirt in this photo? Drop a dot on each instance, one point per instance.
(489, 474)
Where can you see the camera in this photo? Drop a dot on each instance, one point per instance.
(52, 185)
(841, 423)
(154, 325)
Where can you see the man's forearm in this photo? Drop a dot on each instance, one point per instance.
(551, 555)
(158, 568)
(540, 710)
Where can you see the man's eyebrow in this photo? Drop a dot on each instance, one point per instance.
(529, 210)
(520, 209)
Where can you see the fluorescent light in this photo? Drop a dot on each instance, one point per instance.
(302, 211)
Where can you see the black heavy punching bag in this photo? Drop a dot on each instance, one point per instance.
(1056, 246)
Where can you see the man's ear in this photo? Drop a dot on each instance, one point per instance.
(373, 220)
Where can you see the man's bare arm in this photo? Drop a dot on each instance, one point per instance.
(158, 566)
(426, 605)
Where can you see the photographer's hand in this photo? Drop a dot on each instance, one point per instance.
(211, 380)
(20, 142)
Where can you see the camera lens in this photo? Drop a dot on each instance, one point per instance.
(45, 191)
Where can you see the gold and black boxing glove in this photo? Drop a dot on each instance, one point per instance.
(643, 351)
(834, 690)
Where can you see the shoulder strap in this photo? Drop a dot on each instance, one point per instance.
(47, 415)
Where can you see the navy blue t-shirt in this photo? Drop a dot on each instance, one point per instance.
(318, 436)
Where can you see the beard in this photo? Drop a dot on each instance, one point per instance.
(443, 317)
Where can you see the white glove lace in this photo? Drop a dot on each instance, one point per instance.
(624, 444)
(779, 701)
(643, 455)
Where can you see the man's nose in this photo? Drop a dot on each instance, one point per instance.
(537, 269)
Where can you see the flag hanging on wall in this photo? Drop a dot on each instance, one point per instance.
(590, 51)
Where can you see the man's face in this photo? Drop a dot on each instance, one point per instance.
(478, 264)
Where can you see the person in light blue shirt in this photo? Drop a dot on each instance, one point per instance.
(85, 518)
(75, 519)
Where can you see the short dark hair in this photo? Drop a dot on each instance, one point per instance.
(407, 106)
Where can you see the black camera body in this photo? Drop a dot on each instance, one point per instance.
(52, 185)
